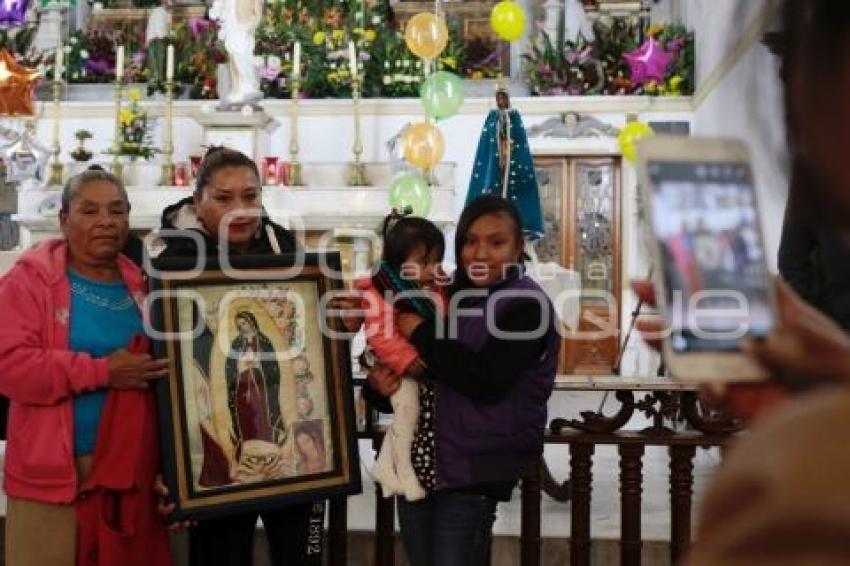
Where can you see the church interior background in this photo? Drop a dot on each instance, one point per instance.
(332, 96)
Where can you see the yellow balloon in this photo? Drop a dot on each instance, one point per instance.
(423, 145)
(629, 136)
(426, 35)
(508, 20)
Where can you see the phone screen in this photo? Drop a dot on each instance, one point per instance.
(718, 288)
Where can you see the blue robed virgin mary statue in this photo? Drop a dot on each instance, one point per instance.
(503, 165)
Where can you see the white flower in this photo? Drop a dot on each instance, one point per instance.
(84, 54)
(75, 75)
(376, 19)
(386, 64)
(72, 40)
(387, 80)
(274, 62)
(67, 49)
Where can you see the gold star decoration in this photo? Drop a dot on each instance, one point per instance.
(17, 84)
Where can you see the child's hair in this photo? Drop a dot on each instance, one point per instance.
(403, 234)
(218, 157)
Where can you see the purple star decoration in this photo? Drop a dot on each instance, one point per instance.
(648, 62)
(13, 12)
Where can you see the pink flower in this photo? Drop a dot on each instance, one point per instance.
(269, 72)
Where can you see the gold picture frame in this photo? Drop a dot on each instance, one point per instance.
(257, 410)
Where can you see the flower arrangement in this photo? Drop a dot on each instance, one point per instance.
(80, 153)
(135, 131)
(559, 67)
(90, 55)
(199, 51)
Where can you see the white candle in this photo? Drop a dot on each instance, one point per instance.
(58, 64)
(169, 63)
(296, 60)
(352, 59)
(119, 63)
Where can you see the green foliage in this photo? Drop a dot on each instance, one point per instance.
(584, 67)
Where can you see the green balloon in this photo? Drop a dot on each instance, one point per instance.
(411, 190)
(442, 94)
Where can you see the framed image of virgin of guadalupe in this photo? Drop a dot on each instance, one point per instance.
(257, 409)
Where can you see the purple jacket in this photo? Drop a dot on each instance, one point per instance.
(478, 442)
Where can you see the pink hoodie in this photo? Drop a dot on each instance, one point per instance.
(391, 348)
(40, 375)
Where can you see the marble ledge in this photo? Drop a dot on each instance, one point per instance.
(540, 105)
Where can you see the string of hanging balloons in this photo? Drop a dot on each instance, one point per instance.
(442, 95)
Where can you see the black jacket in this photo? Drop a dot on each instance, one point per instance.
(181, 216)
(814, 257)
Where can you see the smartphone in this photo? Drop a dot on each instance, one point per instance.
(712, 282)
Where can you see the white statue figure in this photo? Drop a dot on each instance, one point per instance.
(156, 40)
(238, 20)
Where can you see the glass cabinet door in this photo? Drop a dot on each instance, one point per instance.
(581, 215)
(552, 180)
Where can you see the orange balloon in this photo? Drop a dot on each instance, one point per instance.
(426, 35)
(423, 145)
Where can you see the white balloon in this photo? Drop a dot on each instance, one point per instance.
(398, 164)
(26, 159)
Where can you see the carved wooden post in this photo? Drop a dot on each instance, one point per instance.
(631, 465)
(530, 541)
(338, 532)
(681, 490)
(581, 474)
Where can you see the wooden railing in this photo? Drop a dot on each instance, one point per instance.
(662, 401)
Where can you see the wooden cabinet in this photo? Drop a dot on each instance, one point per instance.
(582, 215)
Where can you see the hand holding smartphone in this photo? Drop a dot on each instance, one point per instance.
(714, 289)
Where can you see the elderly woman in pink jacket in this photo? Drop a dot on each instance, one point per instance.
(81, 455)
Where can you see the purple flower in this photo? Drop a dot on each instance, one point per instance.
(98, 66)
(572, 56)
(138, 58)
(495, 56)
(676, 44)
(198, 26)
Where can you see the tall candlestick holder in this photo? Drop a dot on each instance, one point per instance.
(295, 179)
(167, 174)
(117, 166)
(358, 176)
(56, 168)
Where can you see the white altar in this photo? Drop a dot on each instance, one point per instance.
(328, 210)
